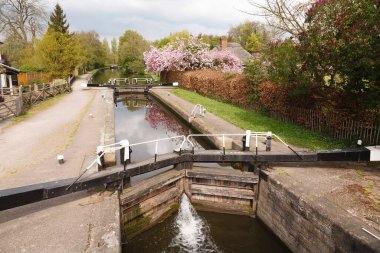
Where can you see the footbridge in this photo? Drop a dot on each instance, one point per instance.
(183, 156)
(126, 85)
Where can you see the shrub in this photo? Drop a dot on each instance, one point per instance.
(342, 42)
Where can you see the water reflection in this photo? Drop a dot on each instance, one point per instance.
(158, 118)
(138, 118)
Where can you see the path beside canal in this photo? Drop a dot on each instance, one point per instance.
(29, 148)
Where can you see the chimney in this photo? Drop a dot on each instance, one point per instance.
(223, 43)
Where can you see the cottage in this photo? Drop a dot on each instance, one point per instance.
(8, 75)
(235, 48)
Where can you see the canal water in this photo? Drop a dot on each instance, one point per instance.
(140, 118)
(206, 232)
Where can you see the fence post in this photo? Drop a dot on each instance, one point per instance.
(30, 95)
(43, 92)
(21, 102)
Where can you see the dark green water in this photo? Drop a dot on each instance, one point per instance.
(207, 232)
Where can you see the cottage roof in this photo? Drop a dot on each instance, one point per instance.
(237, 50)
(9, 70)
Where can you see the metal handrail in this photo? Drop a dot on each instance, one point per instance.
(287, 145)
(118, 146)
(253, 134)
(147, 80)
(202, 111)
(114, 81)
(256, 135)
(97, 160)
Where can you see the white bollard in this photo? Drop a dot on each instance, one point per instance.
(268, 141)
(247, 138)
(60, 159)
(125, 145)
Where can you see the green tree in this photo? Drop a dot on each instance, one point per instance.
(252, 36)
(58, 20)
(114, 51)
(59, 50)
(212, 40)
(172, 38)
(130, 53)
(59, 53)
(341, 46)
(93, 54)
(14, 49)
(107, 51)
(22, 55)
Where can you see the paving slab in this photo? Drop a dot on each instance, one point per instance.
(81, 222)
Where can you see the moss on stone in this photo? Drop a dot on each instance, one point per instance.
(135, 226)
(144, 222)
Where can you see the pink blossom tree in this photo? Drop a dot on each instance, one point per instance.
(194, 54)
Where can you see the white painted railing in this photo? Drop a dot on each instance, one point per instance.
(124, 144)
(268, 136)
(198, 111)
(247, 135)
(145, 80)
(117, 81)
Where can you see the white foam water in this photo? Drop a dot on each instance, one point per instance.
(192, 233)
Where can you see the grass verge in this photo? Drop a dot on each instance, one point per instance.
(257, 121)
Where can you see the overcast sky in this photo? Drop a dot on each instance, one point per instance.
(154, 19)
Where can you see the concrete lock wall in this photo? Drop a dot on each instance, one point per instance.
(309, 225)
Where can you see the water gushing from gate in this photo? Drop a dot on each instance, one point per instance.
(192, 233)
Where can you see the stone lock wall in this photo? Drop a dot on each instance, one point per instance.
(156, 198)
(307, 224)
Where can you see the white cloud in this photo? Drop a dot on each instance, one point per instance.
(154, 19)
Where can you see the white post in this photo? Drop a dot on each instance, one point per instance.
(155, 154)
(247, 138)
(125, 144)
(257, 147)
(10, 84)
(3, 83)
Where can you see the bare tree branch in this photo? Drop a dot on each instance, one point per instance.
(286, 15)
(23, 18)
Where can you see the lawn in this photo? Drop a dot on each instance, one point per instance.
(256, 121)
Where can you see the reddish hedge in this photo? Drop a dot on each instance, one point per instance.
(233, 89)
(276, 99)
